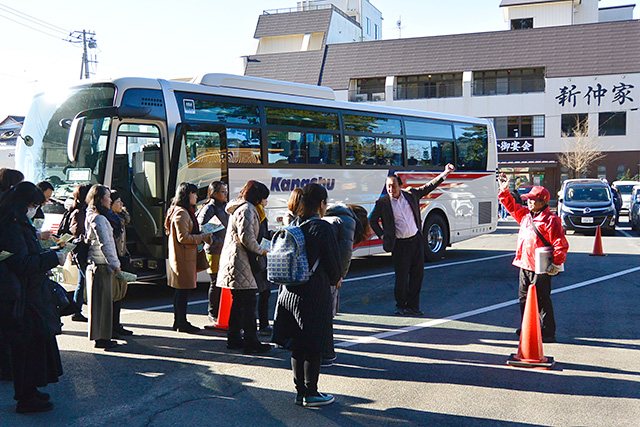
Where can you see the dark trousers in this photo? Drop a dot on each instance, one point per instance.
(214, 297)
(243, 317)
(180, 299)
(78, 294)
(408, 264)
(24, 384)
(117, 305)
(543, 289)
(263, 308)
(306, 370)
(5, 360)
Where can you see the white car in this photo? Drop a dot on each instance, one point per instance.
(625, 187)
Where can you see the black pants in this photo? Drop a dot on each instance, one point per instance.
(543, 289)
(243, 317)
(5, 360)
(408, 264)
(263, 308)
(306, 370)
(214, 297)
(180, 299)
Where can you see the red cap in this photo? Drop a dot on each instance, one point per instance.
(537, 193)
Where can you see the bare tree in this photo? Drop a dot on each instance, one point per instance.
(580, 151)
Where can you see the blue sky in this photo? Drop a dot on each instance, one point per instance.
(168, 39)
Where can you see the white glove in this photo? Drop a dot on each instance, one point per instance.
(553, 270)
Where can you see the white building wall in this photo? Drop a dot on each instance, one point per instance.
(585, 12)
(548, 15)
(293, 43)
(370, 11)
(342, 30)
(615, 14)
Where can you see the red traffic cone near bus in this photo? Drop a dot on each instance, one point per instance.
(224, 310)
(530, 349)
(597, 245)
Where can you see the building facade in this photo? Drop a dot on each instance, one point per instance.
(557, 68)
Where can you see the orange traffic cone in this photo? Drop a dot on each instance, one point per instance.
(530, 350)
(224, 309)
(597, 245)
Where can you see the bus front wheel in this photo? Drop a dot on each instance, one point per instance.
(436, 235)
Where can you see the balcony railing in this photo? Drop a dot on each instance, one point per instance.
(366, 96)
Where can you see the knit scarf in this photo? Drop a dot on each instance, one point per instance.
(261, 213)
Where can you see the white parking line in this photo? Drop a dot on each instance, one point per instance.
(466, 314)
(352, 279)
(624, 232)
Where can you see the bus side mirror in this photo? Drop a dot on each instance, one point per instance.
(75, 136)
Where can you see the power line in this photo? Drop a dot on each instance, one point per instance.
(30, 27)
(33, 19)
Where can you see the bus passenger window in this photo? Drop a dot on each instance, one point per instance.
(419, 153)
(442, 152)
(361, 150)
(471, 146)
(243, 146)
(323, 149)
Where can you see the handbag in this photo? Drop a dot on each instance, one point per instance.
(202, 263)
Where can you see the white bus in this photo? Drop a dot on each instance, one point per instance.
(144, 136)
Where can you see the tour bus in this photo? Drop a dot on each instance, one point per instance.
(144, 136)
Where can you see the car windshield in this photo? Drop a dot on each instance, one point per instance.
(625, 189)
(524, 189)
(587, 193)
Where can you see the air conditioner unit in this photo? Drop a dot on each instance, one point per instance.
(377, 96)
(360, 97)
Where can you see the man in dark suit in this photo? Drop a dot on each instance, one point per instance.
(401, 234)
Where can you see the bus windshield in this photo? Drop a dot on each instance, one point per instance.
(47, 158)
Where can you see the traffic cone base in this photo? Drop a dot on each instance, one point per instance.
(530, 354)
(546, 362)
(597, 245)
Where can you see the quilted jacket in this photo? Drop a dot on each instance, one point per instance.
(234, 271)
(102, 245)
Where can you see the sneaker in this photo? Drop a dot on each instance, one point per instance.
(106, 344)
(549, 339)
(33, 405)
(413, 312)
(257, 349)
(299, 399)
(265, 332)
(78, 317)
(399, 311)
(320, 400)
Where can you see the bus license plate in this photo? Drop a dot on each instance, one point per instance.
(587, 220)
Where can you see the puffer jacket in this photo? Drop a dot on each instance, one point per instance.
(345, 223)
(234, 271)
(547, 223)
(102, 246)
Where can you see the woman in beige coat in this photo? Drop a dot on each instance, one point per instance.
(184, 237)
(235, 273)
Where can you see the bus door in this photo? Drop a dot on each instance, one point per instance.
(199, 157)
(139, 177)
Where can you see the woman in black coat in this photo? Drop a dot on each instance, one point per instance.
(303, 319)
(29, 321)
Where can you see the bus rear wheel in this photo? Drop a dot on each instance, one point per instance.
(436, 235)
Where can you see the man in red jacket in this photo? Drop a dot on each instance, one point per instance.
(550, 233)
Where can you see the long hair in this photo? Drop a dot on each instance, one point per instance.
(182, 195)
(18, 199)
(94, 198)
(294, 201)
(9, 178)
(80, 196)
(254, 192)
(363, 231)
(214, 187)
(312, 197)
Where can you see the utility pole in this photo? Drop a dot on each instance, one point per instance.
(87, 38)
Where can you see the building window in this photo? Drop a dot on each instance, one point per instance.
(369, 89)
(522, 24)
(612, 123)
(429, 86)
(621, 171)
(368, 26)
(602, 172)
(505, 82)
(519, 126)
(573, 123)
(375, 32)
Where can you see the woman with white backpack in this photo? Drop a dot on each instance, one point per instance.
(303, 319)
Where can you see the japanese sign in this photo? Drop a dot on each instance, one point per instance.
(515, 146)
(571, 95)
